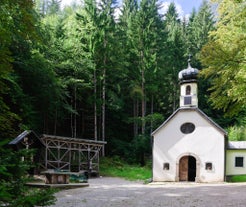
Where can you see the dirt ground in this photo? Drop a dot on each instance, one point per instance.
(116, 192)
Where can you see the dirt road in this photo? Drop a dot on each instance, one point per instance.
(116, 192)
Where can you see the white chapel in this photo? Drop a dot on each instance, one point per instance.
(190, 146)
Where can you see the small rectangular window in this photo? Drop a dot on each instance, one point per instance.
(238, 161)
(187, 100)
(208, 166)
(166, 166)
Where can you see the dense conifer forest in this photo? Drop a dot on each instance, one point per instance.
(108, 71)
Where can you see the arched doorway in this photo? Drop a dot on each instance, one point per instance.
(187, 168)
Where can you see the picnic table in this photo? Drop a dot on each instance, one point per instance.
(56, 177)
(62, 177)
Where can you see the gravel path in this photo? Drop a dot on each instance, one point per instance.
(116, 192)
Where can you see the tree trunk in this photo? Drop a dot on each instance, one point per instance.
(55, 124)
(103, 109)
(95, 105)
(104, 97)
(71, 122)
(143, 96)
(151, 112)
(135, 116)
(174, 91)
(75, 109)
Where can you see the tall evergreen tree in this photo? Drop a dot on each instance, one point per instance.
(143, 37)
(126, 29)
(198, 28)
(175, 59)
(88, 31)
(97, 20)
(107, 28)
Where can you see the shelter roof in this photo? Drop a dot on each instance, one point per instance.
(75, 140)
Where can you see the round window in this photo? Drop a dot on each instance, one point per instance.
(187, 128)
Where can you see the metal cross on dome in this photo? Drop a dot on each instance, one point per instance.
(189, 60)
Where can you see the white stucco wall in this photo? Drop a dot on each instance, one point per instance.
(230, 162)
(206, 143)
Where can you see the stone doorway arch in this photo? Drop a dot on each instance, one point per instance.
(188, 167)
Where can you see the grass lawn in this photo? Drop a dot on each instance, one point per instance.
(238, 178)
(116, 168)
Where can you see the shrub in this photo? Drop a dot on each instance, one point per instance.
(13, 176)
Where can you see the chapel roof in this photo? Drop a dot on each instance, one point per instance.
(188, 74)
(191, 109)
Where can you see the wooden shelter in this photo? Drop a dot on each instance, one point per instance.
(72, 154)
(61, 153)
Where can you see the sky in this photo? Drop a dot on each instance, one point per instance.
(184, 7)
(187, 5)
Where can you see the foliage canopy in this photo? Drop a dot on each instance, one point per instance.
(224, 57)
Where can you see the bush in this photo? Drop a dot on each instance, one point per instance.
(237, 178)
(237, 133)
(13, 176)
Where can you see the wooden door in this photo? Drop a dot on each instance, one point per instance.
(183, 168)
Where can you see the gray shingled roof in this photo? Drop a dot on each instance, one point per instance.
(20, 137)
(27, 133)
(236, 145)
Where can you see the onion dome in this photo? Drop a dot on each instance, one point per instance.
(189, 74)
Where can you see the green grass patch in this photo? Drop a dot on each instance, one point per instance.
(237, 178)
(115, 167)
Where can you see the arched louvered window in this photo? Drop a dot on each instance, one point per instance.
(187, 90)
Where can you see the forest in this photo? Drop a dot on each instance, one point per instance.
(108, 71)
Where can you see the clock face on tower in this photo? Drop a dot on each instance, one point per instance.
(187, 128)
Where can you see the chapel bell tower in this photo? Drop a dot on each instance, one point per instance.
(188, 87)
